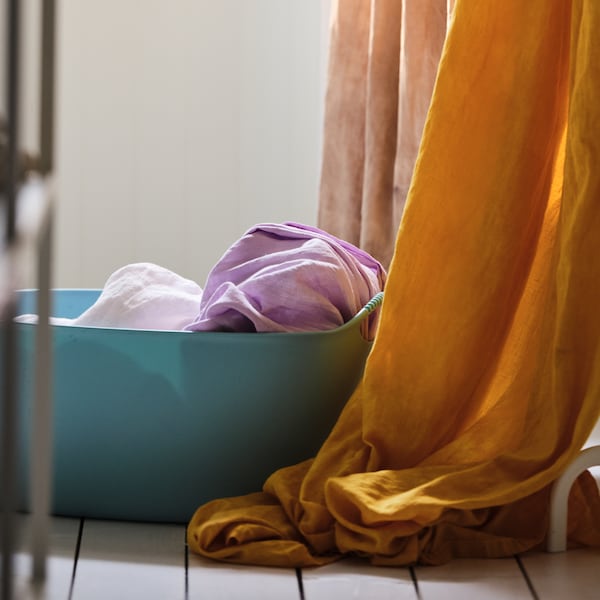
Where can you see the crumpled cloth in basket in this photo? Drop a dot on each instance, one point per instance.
(276, 277)
(288, 277)
(139, 296)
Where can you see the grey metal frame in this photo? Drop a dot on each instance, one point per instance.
(35, 233)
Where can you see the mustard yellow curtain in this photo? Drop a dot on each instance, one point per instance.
(484, 379)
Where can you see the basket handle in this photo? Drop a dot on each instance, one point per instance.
(373, 304)
(362, 315)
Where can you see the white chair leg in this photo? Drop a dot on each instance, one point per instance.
(557, 533)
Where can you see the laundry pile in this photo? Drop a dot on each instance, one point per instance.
(276, 277)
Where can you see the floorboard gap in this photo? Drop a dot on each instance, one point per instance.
(300, 583)
(527, 580)
(413, 576)
(76, 557)
(186, 562)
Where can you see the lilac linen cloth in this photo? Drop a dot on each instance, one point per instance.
(288, 277)
(138, 296)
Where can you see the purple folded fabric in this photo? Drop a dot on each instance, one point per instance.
(288, 277)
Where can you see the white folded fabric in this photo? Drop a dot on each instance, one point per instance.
(139, 296)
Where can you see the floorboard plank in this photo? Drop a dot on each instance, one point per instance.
(565, 575)
(483, 579)
(358, 580)
(119, 560)
(213, 580)
(62, 541)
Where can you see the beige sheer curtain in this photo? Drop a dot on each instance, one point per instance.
(383, 62)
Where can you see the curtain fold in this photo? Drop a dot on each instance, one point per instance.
(484, 378)
(382, 66)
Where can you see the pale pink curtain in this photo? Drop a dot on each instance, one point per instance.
(383, 62)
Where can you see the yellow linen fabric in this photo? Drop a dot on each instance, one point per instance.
(484, 378)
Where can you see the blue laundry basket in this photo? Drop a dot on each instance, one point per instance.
(148, 425)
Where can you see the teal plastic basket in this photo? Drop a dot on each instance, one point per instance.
(148, 425)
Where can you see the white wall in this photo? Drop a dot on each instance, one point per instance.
(181, 123)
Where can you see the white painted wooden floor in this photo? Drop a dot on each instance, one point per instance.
(105, 560)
